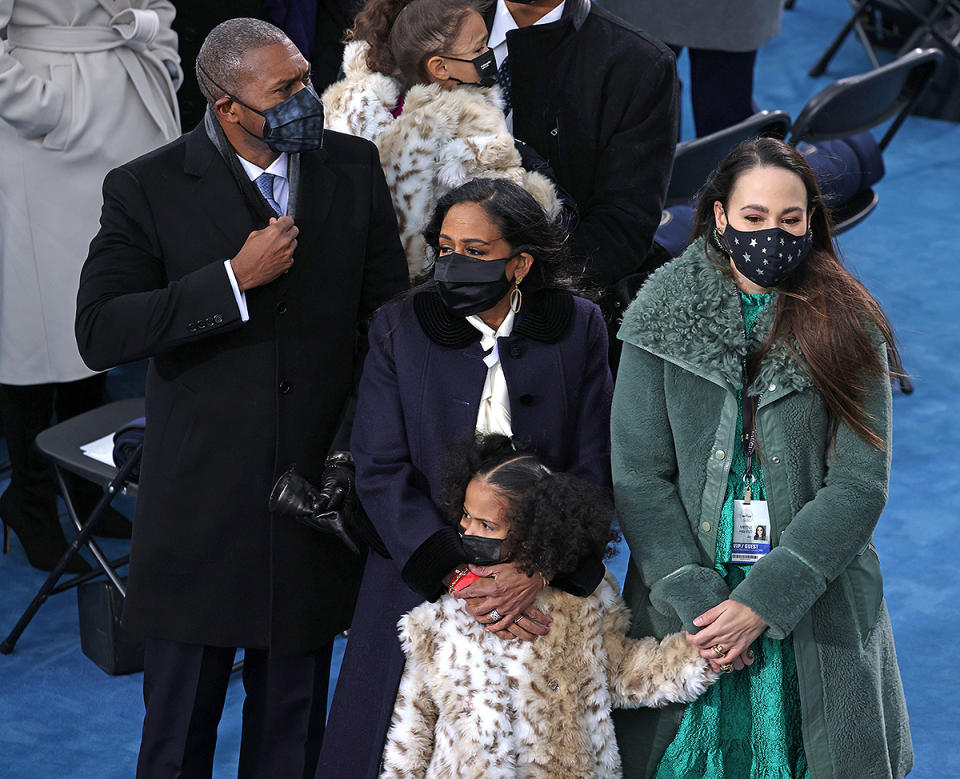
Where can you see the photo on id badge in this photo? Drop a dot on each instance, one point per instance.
(751, 531)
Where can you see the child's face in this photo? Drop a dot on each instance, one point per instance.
(483, 509)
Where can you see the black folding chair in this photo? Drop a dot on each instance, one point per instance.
(928, 20)
(62, 444)
(858, 104)
(694, 160)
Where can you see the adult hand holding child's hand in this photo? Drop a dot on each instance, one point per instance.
(509, 592)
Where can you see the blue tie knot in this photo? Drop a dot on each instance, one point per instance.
(264, 183)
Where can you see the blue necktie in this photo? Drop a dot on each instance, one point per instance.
(505, 82)
(264, 183)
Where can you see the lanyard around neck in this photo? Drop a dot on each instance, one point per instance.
(750, 406)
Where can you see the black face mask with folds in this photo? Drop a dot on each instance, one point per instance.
(480, 550)
(292, 126)
(468, 285)
(765, 257)
(486, 67)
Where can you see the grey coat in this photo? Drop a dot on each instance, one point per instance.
(83, 88)
(673, 427)
(744, 25)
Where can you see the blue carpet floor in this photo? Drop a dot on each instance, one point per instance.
(60, 716)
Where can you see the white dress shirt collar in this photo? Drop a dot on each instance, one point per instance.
(503, 22)
(278, 167)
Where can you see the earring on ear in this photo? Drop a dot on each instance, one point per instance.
(717, 236)
(516, 296)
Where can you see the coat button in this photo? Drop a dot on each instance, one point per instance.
(772, 387)
(516, 350)
(210, 322)
(553, 685)
(705, 527)
(775, 460)
(201, 324)
(217, 319)
(719, 454)
(282, 307)
(286, 387)
(192, 327)
(525, 400)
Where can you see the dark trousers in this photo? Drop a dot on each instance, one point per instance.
(721, 87)
(184, 687)
(28, 410)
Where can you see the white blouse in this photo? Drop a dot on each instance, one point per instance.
(494, 412)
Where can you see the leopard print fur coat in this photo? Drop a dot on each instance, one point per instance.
(472, 705)
(442, 139)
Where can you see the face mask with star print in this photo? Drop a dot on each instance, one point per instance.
(766, 257)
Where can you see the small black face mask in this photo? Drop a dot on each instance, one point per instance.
(294, 125)
(480, 550)
(765, 257)
(486, 67)
(468, 285)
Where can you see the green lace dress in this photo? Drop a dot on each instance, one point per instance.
(747, 725)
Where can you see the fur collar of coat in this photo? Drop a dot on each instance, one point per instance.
(688, 312)
(472, 705)
(442, 139)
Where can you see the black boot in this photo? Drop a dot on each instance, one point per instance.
(39, 532)
(29, 504)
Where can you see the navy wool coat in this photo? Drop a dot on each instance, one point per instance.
(230, 405)
(420, 393)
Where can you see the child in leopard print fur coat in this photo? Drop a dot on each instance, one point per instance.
(471, 704)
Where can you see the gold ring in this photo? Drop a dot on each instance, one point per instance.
(518, 619)
(718, 650)
(727, 667)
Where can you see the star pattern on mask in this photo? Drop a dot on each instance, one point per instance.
(746, 257)
(781, 241)
(736, 241)
(753, 241)
(766, 262)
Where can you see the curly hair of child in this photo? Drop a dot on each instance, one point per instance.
(555, 520)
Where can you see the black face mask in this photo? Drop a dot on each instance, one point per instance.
(486, 67)
(468, 285)
(480, 550)
(294, 125)
(765, 257)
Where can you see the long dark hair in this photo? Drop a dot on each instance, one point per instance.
(555, 519)
(823, 308)
(522, 223)
(403, 35)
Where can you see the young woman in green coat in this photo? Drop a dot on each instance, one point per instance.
(758, 329)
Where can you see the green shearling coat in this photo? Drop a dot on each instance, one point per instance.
(673, 428)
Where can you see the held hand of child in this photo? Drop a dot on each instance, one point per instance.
(730, 627)
(509, 593)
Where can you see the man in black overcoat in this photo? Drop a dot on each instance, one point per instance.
(249, 295)
(598, 100)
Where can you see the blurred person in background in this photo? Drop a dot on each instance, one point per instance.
(85, 85)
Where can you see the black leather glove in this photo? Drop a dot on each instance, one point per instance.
(336, 485)
(332, 508)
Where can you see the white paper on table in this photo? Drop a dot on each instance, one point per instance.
(101, 449)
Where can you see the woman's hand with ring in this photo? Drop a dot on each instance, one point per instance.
(510, 593)
(732, 627)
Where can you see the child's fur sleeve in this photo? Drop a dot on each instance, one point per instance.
(647, 672)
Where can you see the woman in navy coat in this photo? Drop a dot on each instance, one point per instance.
(495, 343)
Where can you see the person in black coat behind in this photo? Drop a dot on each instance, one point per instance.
(495, 343)
(248, 294)
(598, 100)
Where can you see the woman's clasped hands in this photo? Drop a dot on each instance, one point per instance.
(506, 592)
(727, 631)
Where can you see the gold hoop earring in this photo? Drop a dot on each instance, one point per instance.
(516, 296)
